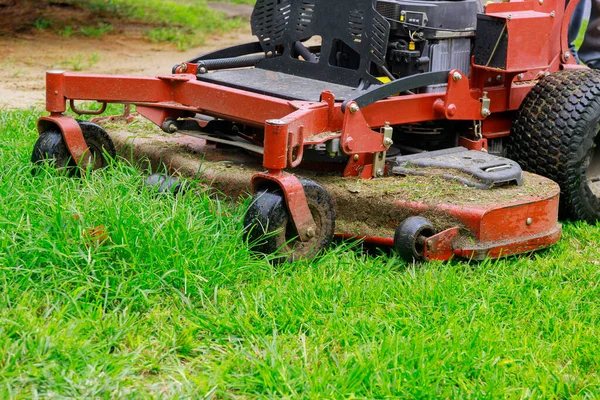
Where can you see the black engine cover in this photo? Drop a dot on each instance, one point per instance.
(436, 19)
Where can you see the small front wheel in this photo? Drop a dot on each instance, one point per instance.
(409, 240)
(269, 228)
(51, 148)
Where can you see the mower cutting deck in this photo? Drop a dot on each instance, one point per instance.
(394, 116)
(438, 216)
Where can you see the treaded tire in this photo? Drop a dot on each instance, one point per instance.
(51, 148)
(555, 135)
(408, 239)
(269, 229)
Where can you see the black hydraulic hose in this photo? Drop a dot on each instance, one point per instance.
(225, 63)
(304, 52)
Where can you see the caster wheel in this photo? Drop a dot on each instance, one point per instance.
(410, 236)
(162, 183)
(269, 229)
(51, 148)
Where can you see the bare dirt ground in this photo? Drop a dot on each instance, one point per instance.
(26, 53)
(25, 58)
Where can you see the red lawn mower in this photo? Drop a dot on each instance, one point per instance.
(405, 123)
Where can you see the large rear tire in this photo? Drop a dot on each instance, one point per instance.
(555, 135)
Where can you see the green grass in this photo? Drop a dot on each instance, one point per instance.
(184, 23)
(173, 304)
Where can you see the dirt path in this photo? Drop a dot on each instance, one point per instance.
(24, 60)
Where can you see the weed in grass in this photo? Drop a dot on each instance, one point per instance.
(96, 31)
(93, 59)
(172, 304)
(79, 62)
(182, 23)
(183, 39)
(66, 32)
(42, 23)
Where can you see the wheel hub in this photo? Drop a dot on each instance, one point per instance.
(593, 167)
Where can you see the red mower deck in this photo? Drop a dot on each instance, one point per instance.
(472, 223)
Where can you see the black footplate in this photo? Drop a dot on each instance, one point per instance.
(473, 168)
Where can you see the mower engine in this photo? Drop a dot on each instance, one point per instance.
(429, 36)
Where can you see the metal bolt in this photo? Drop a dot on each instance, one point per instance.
(486, 112)
(380, 172)
(552, 14)
(567, 55)
(387, 142)
(541, 2)
(456, 76)
(499, 77)
(310, 232)
(509, 17)
(356, 157)
(203, 70)
(56, 92)
(172, 127)
(489, 80)
(529, 221)
(354, 108)
(521, 76)
(183, 68)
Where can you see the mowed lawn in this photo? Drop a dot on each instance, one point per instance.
(170, 303)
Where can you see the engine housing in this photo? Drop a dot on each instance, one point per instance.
(429, 36)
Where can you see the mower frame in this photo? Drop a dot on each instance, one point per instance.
(488, 95)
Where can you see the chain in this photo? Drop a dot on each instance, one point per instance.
(477, 130)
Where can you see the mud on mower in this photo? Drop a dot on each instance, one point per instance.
(407, 123)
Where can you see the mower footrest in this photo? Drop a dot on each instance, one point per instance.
(278, 84)
(473, 168)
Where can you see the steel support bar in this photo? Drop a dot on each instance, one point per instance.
(185, 92)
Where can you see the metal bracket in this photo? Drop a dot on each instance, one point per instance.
(88, 112)
(295, 199)
(485, 105)
(441, 246)
(379, 162)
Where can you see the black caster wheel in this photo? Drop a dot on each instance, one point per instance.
(410, 236)
(51, 148)
(269, 228)
(162, 183)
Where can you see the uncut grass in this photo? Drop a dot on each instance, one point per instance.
(174, 305)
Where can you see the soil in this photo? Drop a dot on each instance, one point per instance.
(27, 53)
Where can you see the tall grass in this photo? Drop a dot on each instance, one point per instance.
(171, 304)
(184, 23)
